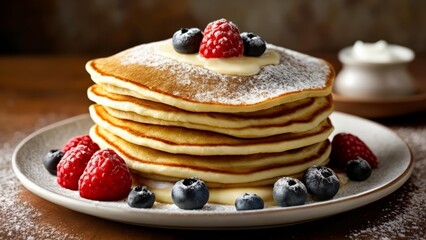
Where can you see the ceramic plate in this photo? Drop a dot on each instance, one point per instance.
(395, 168)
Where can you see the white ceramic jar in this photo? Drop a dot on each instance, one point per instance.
(377, 70)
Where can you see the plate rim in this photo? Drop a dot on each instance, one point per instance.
(60, 199)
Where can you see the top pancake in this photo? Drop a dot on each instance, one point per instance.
(147, 75)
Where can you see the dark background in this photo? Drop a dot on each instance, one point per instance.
(103, 27)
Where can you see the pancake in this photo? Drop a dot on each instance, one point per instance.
(170, 120)
(143, 73)
(196, 142)
(296, 116)
(227, 170)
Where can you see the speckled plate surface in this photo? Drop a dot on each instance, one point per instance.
(395, 168)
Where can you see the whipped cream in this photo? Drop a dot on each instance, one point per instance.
(240, 66)
(379, 52)
(375, 70)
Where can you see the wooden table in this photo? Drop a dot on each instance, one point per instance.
(39, 90)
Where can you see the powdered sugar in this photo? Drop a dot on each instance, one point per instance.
(296, 72)
(403, 218)
(20, 220)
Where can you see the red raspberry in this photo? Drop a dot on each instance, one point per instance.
(346, 147)
(106, 177)
(84, 140)
(72, 165)
(221, 40)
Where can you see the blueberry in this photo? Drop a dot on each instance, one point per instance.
(51, 160)
(141, 197)
(254, 46)
(190, 193)
(358, 169)
(249, 201)
(289, 191)
(187, 40)
(321, 182)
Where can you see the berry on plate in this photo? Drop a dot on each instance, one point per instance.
(187, 40)
(141, 197)
(347, 147)
(221, 40)
(254, 46)
(321, 182)
(106, 177)
(80, 140)
(358, 169)
(72, 165)
(249, 201)
(51, 160)
(190, 193)
(289, 191)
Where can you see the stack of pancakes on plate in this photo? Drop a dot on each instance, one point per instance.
(171, 120)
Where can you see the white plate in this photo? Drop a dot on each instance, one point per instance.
(395, 168)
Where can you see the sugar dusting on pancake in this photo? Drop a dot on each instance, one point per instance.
(296, 74)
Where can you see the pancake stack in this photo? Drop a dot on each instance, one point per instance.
(171, 120)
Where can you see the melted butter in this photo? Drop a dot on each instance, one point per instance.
(240, 66)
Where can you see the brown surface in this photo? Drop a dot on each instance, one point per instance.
(36, 91)
(79, 26)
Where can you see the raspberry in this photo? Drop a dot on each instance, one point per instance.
(84, 140)
(72, 165)
(221, 40)
(347, 147)
(106, 177)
